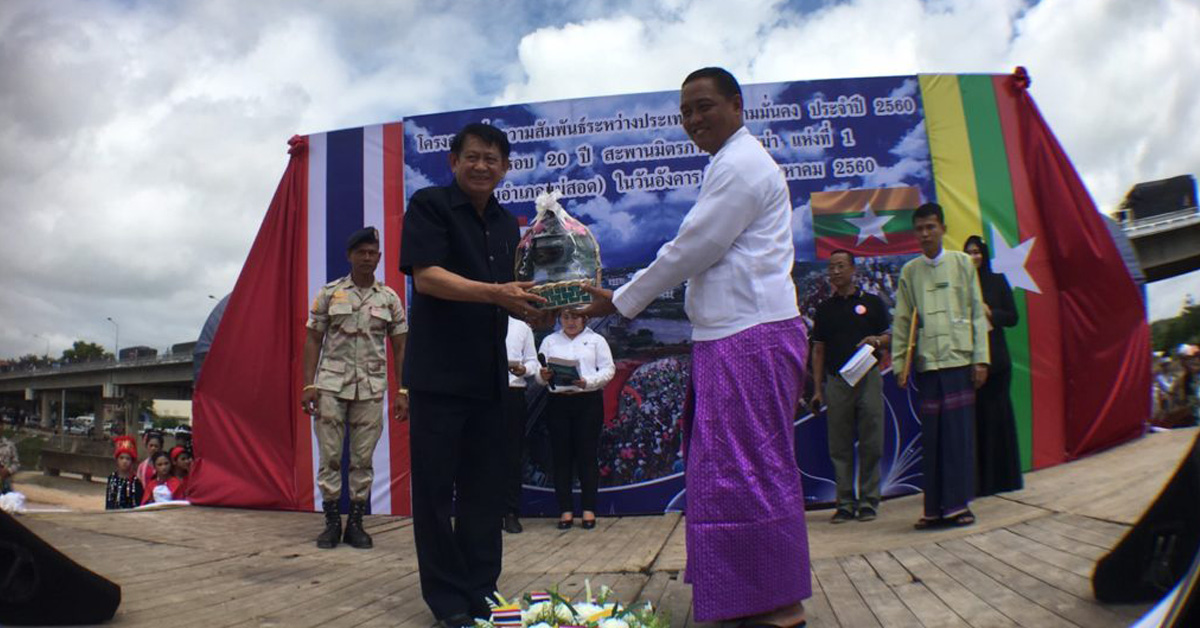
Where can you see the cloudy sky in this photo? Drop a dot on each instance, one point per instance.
(140, 142)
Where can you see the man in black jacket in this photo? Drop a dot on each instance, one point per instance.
(458, 245)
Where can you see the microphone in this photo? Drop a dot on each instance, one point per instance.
(542, 361)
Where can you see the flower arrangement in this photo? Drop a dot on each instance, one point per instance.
(548, 609)
(12, 503)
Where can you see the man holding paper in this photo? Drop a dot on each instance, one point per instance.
(849, 329)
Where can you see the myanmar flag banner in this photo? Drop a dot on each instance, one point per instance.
(866, 222)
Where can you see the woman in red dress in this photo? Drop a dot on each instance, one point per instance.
(165, 486)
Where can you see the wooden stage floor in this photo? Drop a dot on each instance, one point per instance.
(1027, 562)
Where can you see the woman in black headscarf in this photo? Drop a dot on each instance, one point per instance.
(997, 455)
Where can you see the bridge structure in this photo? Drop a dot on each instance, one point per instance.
(112, 389)
(1161, 220)
(1166, 245)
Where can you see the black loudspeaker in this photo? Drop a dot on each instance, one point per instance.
(1157, 553)
(41, 586)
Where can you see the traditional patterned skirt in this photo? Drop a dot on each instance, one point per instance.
(747, 544)
(947, 439)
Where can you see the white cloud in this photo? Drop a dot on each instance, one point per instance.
(140, 142)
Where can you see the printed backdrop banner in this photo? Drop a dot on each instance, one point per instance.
(858, 155)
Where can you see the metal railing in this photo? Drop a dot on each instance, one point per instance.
(1139, 227)
(98, 365)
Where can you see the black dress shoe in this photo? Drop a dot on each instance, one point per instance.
(461, 620)
(565, 524)
(512, 524)
(588, 524)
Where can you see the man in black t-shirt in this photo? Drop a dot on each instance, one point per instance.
(843, 323)
(458, 244)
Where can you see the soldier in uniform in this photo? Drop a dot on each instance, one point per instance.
(349, 325)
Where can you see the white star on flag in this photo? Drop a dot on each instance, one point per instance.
(870, 225)
(1011, 261)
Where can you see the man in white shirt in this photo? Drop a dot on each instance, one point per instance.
(747, 543)
(522, 362)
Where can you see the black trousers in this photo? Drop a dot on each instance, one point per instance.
(456, 464)
(515, 414)
(575, 422)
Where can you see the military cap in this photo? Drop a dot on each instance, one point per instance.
(362, 236)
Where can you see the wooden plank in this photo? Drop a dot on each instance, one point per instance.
(331, 601)
(602, 542)
(551, 551)
(1012, 605)
(966, 604)
(219, 595)
(655, 587)
(1115, 485)
(1114, 531)
(1075, 610)
(1060, 524)
(1050, 574)
(817, 610)
(629, 534)
(400, 605)
(889, 569)
(216, 584)
(652, 534)
(880, 598)
(673, 556)
(281, 593)
(929, 608)
(1050, 538)
(676, 599)
(848, 606)
(1063, 560)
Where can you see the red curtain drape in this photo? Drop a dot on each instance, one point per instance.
(246, 407)
(1105, 337)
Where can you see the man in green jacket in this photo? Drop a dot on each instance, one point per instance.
(949, 360)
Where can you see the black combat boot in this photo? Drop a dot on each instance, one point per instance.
(333, 526)
(355, 535)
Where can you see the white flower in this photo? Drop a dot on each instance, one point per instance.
(587, 609)
(562, 613)
(13, 503)
(541, 624)
(534, 611)
(614, 623)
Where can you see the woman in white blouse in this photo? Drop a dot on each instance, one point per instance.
(575, 412)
